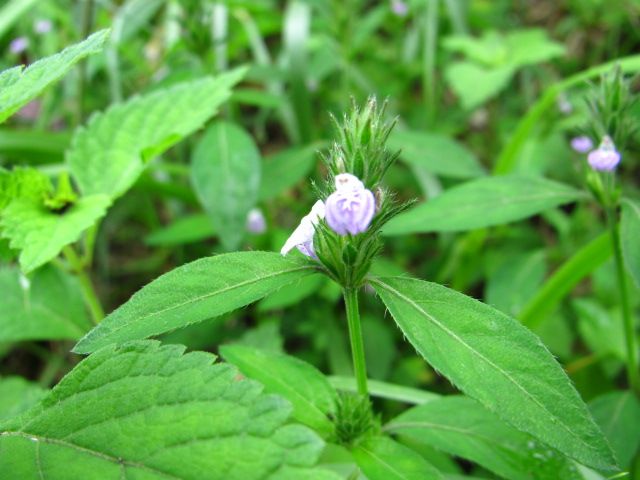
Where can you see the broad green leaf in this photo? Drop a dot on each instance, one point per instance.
(436, 153)
(199, 290)
(184, 230)
(18, 85)
(312, 397)
(286, 168)
(146, 411)
(292, 294)
(474, 84)
(495, 360)
(462, 427)
(483, 203)
(382, 458)
(17, 395)
(601, 330)
(40, 234)
(630, 237)
(108, 155)
(49, 306)
(528, 47)
(618, 414)
(225, 172)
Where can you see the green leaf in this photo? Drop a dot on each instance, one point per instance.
(11, 12)
(601, 330)
(18, 395)
(146, 411)
(49, 306)
(495, 360)
(292, 294)
(618, 414)
(225, 172)
(629, 235)
(286, 168)
(41, 234)
(109, 154)
(436, 153)
(309, 392)
(199, 290)
(483, 203)
(382, 458)
(462, 427)
(475, 84)
(184, 230)
(386, 390)
(21, 183)
(18, 85)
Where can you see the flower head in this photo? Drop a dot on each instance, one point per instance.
(256, 222)
(399, 8)
(302, 236)
(605, 157)
(581, 144)
(18, 45)
(351, 207)
(42, 26)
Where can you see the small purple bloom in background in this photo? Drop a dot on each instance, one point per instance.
(19, 45)
(42, 26)
(564, 106)
(605, 157)
(351, 207)
(302, 236)
(399, 8)
(31, 111)
(256, 222)
(581, 144)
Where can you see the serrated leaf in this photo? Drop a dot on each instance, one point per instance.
(49, 306)
(436, 153)
(40, 234)
(494, 359)
(199, 290)
(310, 393)
(629, 235)
(19, 86)
(382, 458)
(225, 172)
(146, 411)
(483, 202)
(108, 155)
(18, 395)
(462, 427)
(618, 414)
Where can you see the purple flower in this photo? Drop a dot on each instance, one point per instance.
(256, 222)
(42, 26)
(399, 8)
(605, 157)
(302, 236)
(351, 207)
(581, 144)
(18, 45)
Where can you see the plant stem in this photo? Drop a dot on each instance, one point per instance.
(88, 292)
(355, 337)
(632, 360)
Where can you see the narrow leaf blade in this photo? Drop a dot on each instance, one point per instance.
(630, 233)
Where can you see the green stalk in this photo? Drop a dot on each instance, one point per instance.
(91, 299)
(632, 360)
(429, 58)
(355, 337)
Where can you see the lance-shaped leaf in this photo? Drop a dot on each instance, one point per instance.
(630, 233)
(462, 427)
(108, 155)
(310, 393)
(225, 172)
(482, 203)
(497, 361)
(20, 85)
(146, 411)
(194, 292)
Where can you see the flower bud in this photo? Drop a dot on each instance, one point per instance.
(256, 222)
(19, 45)
(605, 157)
(581, 144)
(351, 207)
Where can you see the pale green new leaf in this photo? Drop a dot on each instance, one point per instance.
(20, 85)
(475, 84)
(497, 361)
(17, 395)
(146, 411)
(483, 202)
(462, 427)
(40, 234)
(382, 458)
(108, 155)
(48, 306)
(309, 392)
(225, 172)
(436, 153)
(199, 290)
(630, 237)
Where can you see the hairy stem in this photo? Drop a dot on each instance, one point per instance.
(91, 299)
(355, 337)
